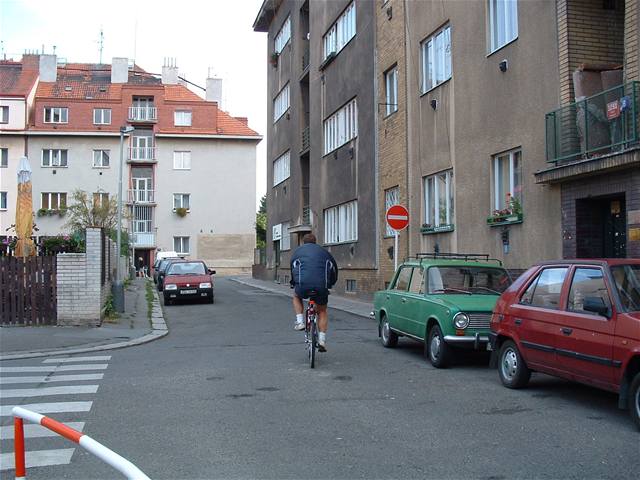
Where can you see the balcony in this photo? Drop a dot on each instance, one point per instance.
(141, 239)
(141, 196)
(143, 114)
(142, 154)
(306, 143)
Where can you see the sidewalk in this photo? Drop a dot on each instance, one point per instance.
(339, 302)
(133, 327)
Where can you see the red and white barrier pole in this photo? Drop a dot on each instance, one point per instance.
(121, 464)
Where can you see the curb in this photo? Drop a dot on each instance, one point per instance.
(158, 325)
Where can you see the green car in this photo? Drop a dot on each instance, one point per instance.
(442, 300)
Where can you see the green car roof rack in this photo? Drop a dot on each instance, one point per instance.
(478, 257)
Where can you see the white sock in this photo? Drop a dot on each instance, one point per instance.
(299, 318)
(322, 337)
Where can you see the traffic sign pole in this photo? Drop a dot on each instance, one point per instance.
(397, 218)
(395, 251)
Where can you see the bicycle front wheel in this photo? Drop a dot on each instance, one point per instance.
(313, 346)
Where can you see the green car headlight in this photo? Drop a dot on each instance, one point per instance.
(461, 321)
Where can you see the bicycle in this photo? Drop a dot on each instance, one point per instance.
(311, 331)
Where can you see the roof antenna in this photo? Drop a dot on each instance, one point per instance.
(101, 44)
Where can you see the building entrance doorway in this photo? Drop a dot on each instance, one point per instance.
(142, 258)
(601, 227)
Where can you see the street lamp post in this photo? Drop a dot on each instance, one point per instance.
(118, 286)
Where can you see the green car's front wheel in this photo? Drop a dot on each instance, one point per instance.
(436, 349)
(388, 337)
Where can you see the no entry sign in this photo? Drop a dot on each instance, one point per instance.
(397, 217)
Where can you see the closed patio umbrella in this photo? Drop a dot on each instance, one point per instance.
(24, 211)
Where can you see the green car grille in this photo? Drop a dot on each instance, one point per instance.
(479, 320)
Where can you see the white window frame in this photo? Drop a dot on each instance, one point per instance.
(4, 113)
(285, 239)
(50, 196)
(499, 200)
(282, 168)
(182, 118)
(281, 103)
(4, 157)
(502, 14)
(102, 116)
(391, 197)
(341, 127)
(4, 200)
(283, 36)
(55, 154)
(430, 183)
(391, 90)
(102, 197)
(101, 155)
(341, 32)
(62, 112)
(179, 247)
(435, 54)
(182, 159)
(179, 201)
(341, 223)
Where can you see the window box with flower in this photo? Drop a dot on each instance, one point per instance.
(512, 213)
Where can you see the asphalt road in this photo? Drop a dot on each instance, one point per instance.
(228, 394)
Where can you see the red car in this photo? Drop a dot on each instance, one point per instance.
(188, 279)
(575, 319)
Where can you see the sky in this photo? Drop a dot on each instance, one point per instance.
(202, 36)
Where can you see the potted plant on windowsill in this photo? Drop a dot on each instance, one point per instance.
(274, 59)
(511, 214)
(181, 212)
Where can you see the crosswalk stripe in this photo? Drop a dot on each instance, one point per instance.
(55, 407)
(38, 458)
(45, 391)
(78, 359)
(36, 431)
(53, 368)
(51, 378)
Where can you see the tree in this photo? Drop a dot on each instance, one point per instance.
(261, 223)
(91, 211)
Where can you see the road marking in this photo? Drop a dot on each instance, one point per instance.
(36, 431)
(53, 368)
(38, 458)
(52, 378)
(55, 407)
(78, 359)
(46, 391)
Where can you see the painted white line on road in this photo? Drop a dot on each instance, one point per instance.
(53, 368)
(38, 458)
(52, 378)
(103, 358)
(36, 431)
(55, 407)
(46, 391)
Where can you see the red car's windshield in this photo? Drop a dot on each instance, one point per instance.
(469, 280)
(627, 278)
(186, 268)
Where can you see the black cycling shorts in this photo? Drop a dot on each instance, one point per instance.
(320, 295)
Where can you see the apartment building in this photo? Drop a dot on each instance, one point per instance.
(322, 135)
(189, 176)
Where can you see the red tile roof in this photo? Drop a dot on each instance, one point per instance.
(16, 79)
(228, 125)
(180, 93)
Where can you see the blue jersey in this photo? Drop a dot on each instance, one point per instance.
(313, 267)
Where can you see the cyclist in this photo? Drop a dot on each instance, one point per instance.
(313, 269)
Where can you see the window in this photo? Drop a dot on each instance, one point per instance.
(340, 32)
(341, 127)
(285, 240)
(3, 200)
(627, 279)
(281, 168)
(101, 158)
(102, 116)
(391, 90)
(181, 245)
(100, 199)
(181, 200)
(436, 59)
(391, 197)
(476, 280)
(281, 103)
(4, 157)
(503, 23)
(438, 200)
(351, 286)
(182, 160)
(4, 114)
(56, 114)
(53, 201)
(54, 158)
(417, 281)
(283, 35)
(507, 182)
(544, 291)
(182, 118)
(341, 223)
(402, 282)
(587, 283)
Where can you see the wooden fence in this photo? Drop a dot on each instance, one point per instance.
(28, 291)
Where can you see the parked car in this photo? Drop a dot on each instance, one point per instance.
(188, 279)
(162, 269)
(159, 257)
(578, 320)
(442, 300)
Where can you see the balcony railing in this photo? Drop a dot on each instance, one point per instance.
(142, 154)
(598, 125)
(143, 114)
(141, 196)
(306, 215)
(306, 144)
(144, 239)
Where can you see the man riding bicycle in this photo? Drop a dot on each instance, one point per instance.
(313, 272)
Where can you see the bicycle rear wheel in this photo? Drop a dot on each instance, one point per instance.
(313, 344)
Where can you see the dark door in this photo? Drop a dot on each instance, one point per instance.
(601, 227)
(615, 228)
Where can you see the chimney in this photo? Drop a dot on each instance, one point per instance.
(48, 68)
(214, 91)
(170, 72)
(119, 70)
